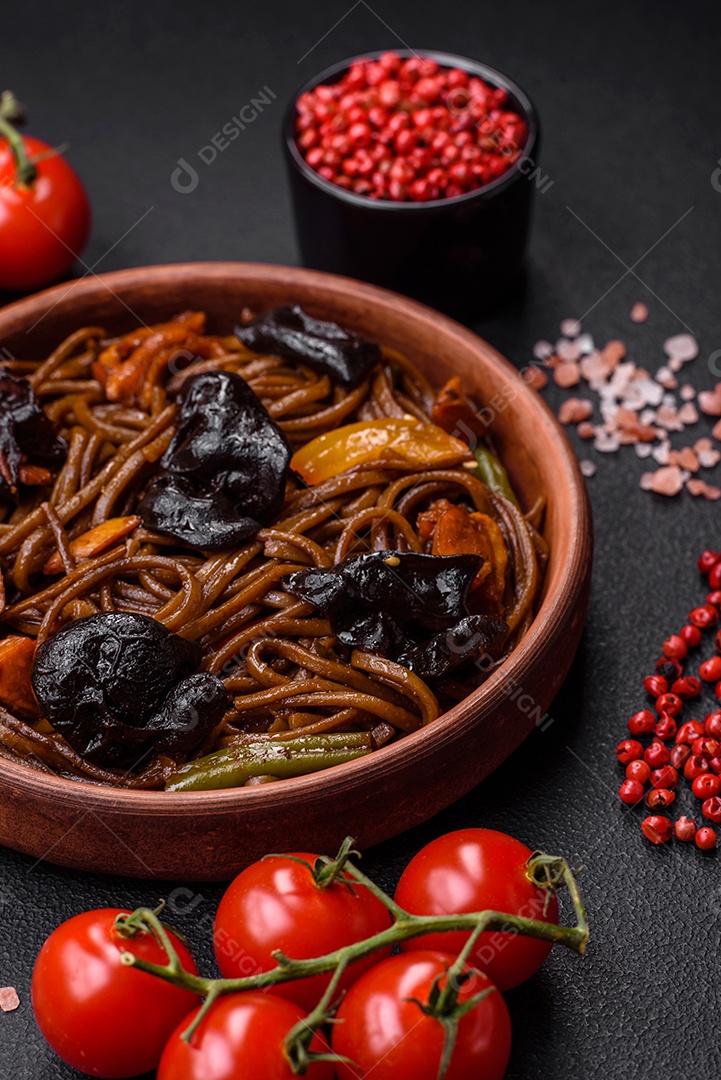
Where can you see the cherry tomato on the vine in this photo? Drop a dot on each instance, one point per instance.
(243, 1035)
(98, 1015)
(276, 904)
(475, 870)
(385, 1033)
(45, 224)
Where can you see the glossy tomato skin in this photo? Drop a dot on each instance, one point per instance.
(44, 226)
(474, 870)
(241, 1036)
(387, 1036)
(275, 904)
(103, 1018)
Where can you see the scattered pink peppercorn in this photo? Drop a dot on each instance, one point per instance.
(706, 746)
(691, 635)
(659, 798)
(670, 669)
(685, 829)
(711, 809)
(689, 731)
(665, 777)
(706, 839)
(638, 770)
(666, 727)
(655, 685)
(657, 828)
(669, 703)
(675, 647)
(656, 755)
(703, 617)
(695, 766)
(710, 670)
(706, 785)
(707, 560)
(643, 722)
(679, 754)
(629, 750)
(630, 792)
(687, 687)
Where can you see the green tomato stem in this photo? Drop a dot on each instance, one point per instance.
(404, 927)
(25, 170)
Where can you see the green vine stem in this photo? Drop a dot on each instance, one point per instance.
(546, 871)
(12, 113)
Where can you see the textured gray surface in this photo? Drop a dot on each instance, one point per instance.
(628, 97)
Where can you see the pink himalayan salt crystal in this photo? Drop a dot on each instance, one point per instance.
(688, 413)
(649, 390)
(9, 1000)
(700, 487)
(716, 430)
(606, 442)
(685, 458)
(626, 418)
(668, 480)
(566, 376)
(710, 401)
(708, 458)
(570, 328)
(587, 467)
(542, 350)
(639, 312)
(575, 410)
(614, 352)
(569, 351)
(667, 417)
(683, 347)
(666, 378)
(661, 452)
(687, 392)
(585, 430)
(643, 450)
(595, 368)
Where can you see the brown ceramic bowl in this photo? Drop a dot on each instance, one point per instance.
(212, 835)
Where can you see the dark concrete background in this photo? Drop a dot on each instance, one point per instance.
(629, 99)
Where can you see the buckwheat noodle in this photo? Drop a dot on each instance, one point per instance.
(278, 658)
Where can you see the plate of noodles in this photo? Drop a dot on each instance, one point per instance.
(285, 557)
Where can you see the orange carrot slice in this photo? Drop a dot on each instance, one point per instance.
(17, 655)
(94, 542)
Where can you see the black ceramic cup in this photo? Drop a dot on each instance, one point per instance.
(462, 255)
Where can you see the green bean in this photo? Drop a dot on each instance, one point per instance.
(493, 473)
(234, 765)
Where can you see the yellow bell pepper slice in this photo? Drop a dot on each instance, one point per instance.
(390, 441)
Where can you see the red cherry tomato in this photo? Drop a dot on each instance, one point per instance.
(44, 226)
(389, 1038)
(475, 870)
(242, 1035)
(276, 904)
(99, 1016)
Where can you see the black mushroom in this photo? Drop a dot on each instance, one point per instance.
(26, 435)
(410, 608)
(293, 334)
(119, 685)
(223, 476)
